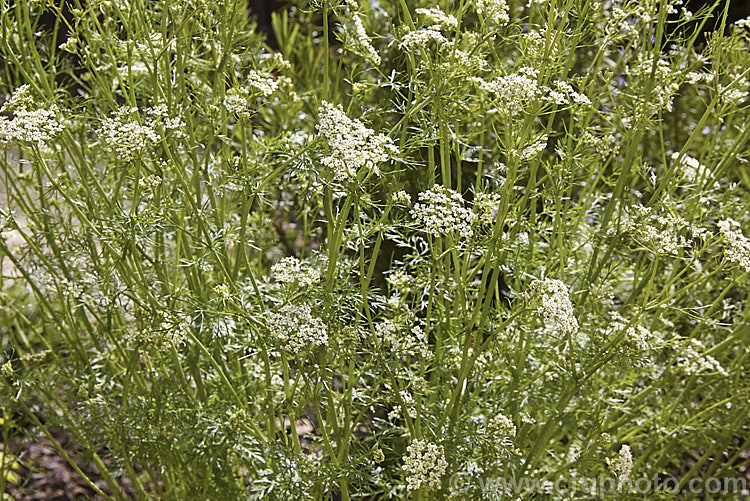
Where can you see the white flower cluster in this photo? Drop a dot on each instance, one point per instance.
(241, 100)
(533, 45)
(357, 35)
(515, 91)
(294, 327)
(441, 211)
(691, 169)
(459, 62)
(70, 45)
(401, 340)
(363, 41)
(149, 182)
(21, 98)
(425, 465)
(564, 94)
(603, 145)
(665, 85)
(237, 101)
(127, 132)
(401, 280)
(222, 291)
(439, 18)
(637, 337)
(693, 77)
(420, 38)
(534, 148)
(556, 306)
(502, 426)
(737, 244)
(619, 22)
(401, 198)
(29, 124)
(734, 92)
(486, 206)
(622, 465)
(661, 234)
(353, 146)
(692, 361)
(494, 11)
(290, 270)
(264, 82)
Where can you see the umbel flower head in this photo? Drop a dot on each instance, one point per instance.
(296, 328)
(357, 35)
(353, 146)
(737, 248)
(441, 211)
(290, 270)
(514, 92)
(502, 426)
(425, 464)
(439, 18)
(421, 38)
(494, 11)
(622, 465)
(129, 131)
(30, 124)
(556, 307)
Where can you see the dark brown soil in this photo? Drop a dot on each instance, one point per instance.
(44, 474)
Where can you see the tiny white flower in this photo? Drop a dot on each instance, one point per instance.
(486, 206)
(441, 211)
(737, 245)
(290, 270)
(353, 146)
(556, 307)
(424, 464)
(357, 35)
(30, 123)
(515, 92)
(437, 16)
(693, 361)
(494, 11)
(264, 82)
(401, 198)
(127, 132)
(236, 101)
(295, 328)
(420, 38)
(622, 465)
(502, 426)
